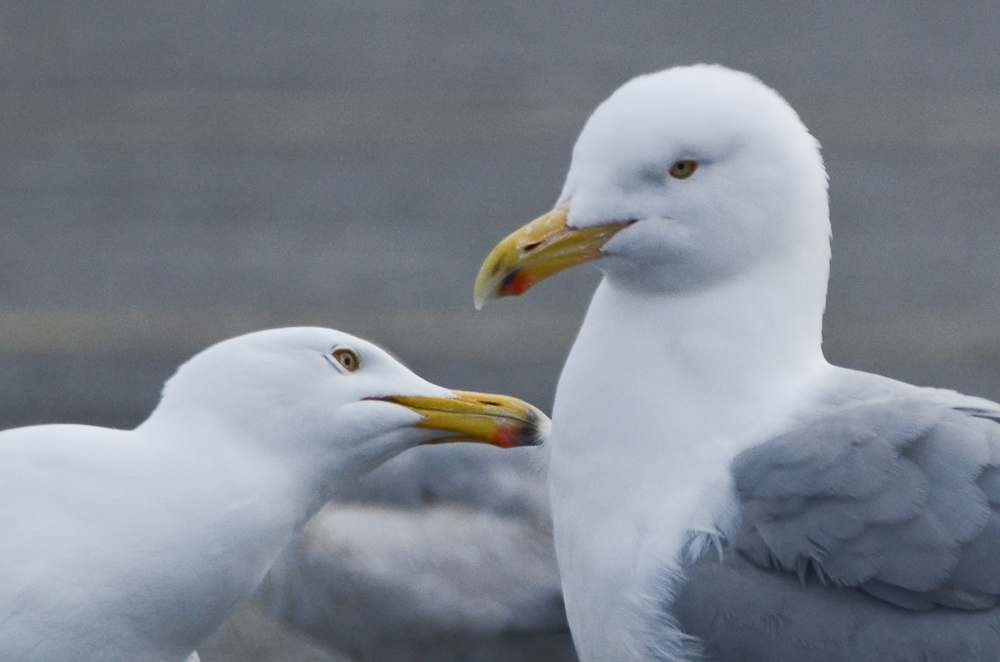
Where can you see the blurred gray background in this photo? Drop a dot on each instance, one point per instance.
(173, 173)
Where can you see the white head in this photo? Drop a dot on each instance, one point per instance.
(331, 401)
(679, 180)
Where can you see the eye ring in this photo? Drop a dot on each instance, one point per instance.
(683, 169)
(347, 359)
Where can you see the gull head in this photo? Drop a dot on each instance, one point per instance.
(680, 179)
(331, 400)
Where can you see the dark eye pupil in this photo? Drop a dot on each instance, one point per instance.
(683, 169)
(346, 358)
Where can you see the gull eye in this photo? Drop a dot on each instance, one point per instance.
(347, 358)
(683, 169)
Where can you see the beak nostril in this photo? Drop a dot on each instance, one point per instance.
(527, 248)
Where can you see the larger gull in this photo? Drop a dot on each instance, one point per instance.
(132, 546)
(718, 488)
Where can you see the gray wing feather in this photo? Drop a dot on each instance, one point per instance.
(744, 612)
(897, 496)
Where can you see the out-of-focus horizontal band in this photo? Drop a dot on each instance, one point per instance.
(146, 118)
(489, 335)
(411, 333)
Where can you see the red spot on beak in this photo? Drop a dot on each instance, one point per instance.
(516, 284)
(505, 436)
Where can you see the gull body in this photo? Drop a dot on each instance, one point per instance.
(687, 311)
(696, 408)
(135, 545)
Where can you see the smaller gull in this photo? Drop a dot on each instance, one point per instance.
(855, 518)
(133, 546)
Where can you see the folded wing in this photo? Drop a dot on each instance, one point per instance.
(897, 495)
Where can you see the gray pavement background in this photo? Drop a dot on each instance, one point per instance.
(175, 173)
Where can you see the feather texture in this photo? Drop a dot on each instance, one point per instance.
(893, 495)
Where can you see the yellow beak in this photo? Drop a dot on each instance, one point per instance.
(499, 420)
(538, 250)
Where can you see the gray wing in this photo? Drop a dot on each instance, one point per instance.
(897, 496)
(741, 611)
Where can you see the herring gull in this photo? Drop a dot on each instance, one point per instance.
(132, 546)
(718, 488)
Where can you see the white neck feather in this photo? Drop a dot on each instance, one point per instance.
(658, 395)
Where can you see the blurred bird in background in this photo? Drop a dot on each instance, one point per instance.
(441, 555)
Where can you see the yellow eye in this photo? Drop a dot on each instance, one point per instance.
(347, 358)
(683, 169)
